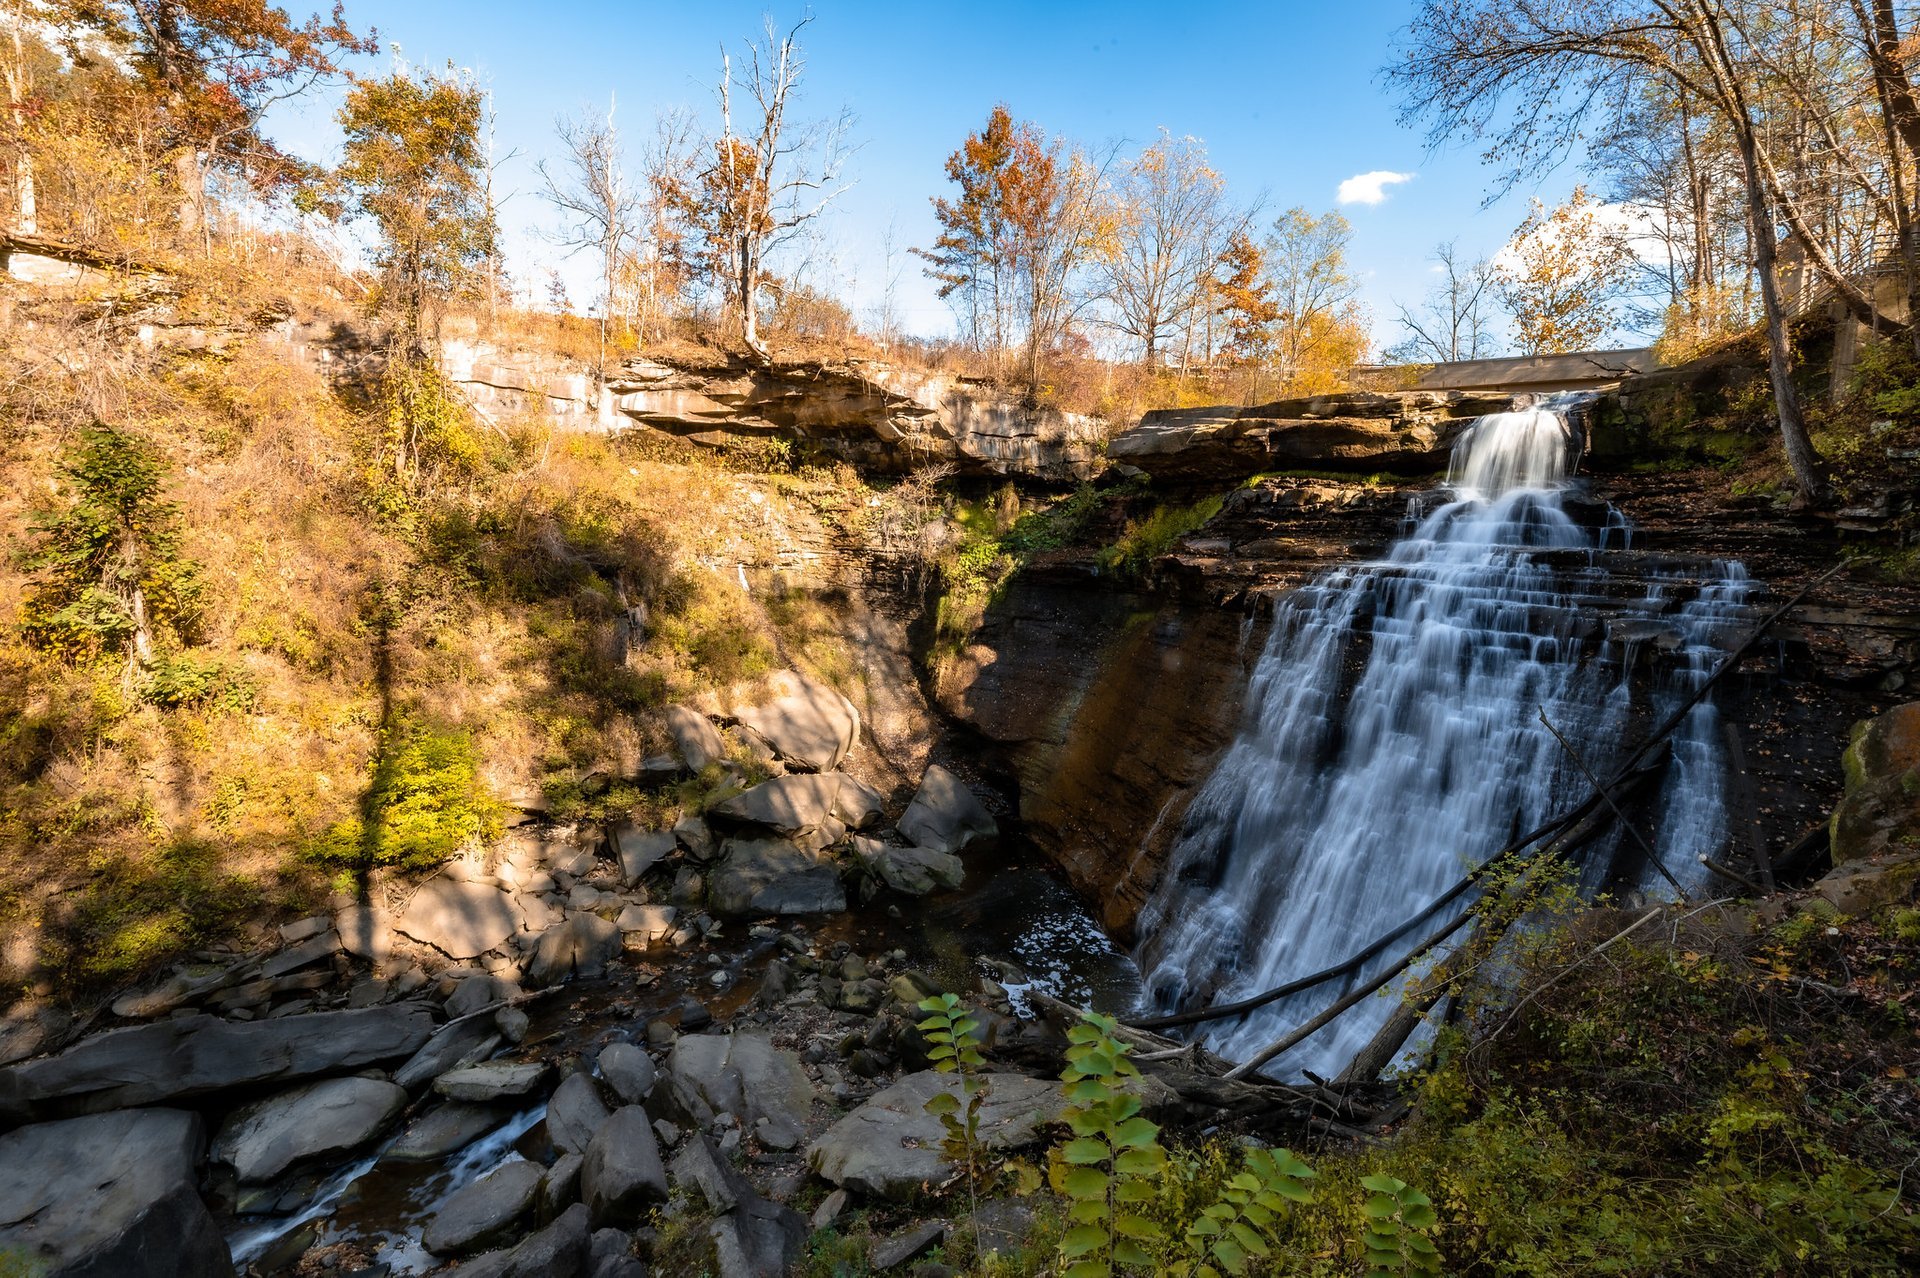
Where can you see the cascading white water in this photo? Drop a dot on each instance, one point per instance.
(1392, 737)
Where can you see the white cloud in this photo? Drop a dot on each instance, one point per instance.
(1370, 188)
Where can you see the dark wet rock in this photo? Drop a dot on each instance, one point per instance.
(771, 876)
(757, 1238)
(472, 994)
(891, 1146)
(581, 946)
(486, 1210)
(628, 1070)
(574, 1113)
(263, 1140)
(890, 1253)
(804, 721)
(695, 739)
(1881, 810)
(622, 1175)
(512, 1023)
(944, 815)
(561, 1188)
(909, 871)
(442, 1131)
(639, 850)
(202, 1055)
(742, 1074)
(461, 920)
(108, 1196)
(465, 1041)
(493, 1081)
(560, 1250)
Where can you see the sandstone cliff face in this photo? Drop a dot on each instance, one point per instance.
(1406, 431)
(881, 419)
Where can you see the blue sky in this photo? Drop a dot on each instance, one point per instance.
(1286, 96)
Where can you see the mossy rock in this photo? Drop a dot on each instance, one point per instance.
(1881, 810)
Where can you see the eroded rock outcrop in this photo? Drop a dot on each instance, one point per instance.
(1409, 431)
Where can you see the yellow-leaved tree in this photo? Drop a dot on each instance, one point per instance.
(1560, 274)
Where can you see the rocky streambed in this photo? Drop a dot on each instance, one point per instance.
(536, 1061)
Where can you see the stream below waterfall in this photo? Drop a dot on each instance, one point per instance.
(1392, 737)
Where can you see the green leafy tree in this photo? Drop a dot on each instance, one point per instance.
(108, 571)
(1235, 1232)
(415, 164)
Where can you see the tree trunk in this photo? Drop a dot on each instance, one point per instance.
(186, 175)
(26, 218)
(1808, 473)
(749, 319)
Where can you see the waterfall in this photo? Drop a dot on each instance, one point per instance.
(1391, 735)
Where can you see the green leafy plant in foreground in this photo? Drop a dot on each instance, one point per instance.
(1398, 1217)
(953, 1035)
(1112, 1162)
(1230, 1234)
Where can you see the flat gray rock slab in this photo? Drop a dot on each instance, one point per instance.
(262, 1140)
(742, 1074)
(786, 805)
(695, 739)
(574, 1113)
(910, 871)
(465, 1041)
(639, 850)
(771, 876)
(890, 1146)
(944, 814)
(109, 1196)
(446, 1130)
(804, 721)
(486, 1210)
(202, 1055)
(622, 1176)
(461, 920)
(494, 1081)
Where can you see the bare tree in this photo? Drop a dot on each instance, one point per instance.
(772, 176)
(1169, 213)
(663, 261)
(600, 208)
(1531, 73)
(1452, 323)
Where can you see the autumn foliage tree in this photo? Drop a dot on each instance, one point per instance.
(216, 67)
(1161, 233)
(414, 165)
(1014, 243)
(1320, 330)
(1561, 275)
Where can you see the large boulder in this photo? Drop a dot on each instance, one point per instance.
(485, 1210)
(582, 946)
(912, 871)
(695, 739)
(561, 1250)
(628, 1070)
(804, 721)
(262, 1140)
(639, 850)
(772, 876)
(108, 1196)
(622, 1176)
(742, 1074)
(461, 920)
(944, 815)
(802, 808)
(574, 1113)
(465, 1041)
(445, 1130)
(1880, 813)
(494, 1081)
(891, 1146)
(202, 1055)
